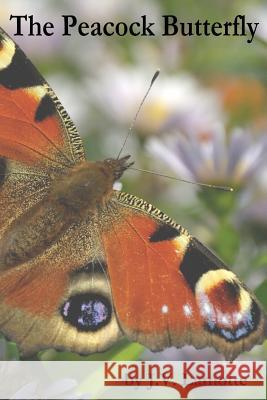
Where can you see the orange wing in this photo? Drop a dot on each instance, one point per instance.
(37, 137)
(60, 299)
(34, 127)
(169, 290)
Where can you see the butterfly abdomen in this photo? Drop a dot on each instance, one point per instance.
(32, 233)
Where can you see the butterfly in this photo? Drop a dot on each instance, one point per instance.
(83, 265)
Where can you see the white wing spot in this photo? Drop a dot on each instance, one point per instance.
(164, 309)
(187, 310)
(207, 308)
(7, 52)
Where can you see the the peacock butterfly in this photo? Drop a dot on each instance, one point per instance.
(81, 264)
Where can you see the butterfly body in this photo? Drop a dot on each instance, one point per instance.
(86, 185)
(82, 265)
(74, 194)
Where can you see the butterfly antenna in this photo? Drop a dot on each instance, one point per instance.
(207, 185)
(156, 74)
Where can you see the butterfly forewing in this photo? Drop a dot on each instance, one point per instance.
(34, 127)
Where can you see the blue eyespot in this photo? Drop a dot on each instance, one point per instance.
(88, 312)
(246, 326)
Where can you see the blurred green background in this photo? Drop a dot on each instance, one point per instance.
(205, 120)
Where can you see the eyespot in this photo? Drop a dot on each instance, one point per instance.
(88, 312)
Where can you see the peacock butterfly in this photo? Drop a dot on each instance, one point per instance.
(82, 265)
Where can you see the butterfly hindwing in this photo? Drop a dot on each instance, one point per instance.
(60, 299)
(170, 290)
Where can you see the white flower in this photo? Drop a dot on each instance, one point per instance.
(173, 99)
(258, 14)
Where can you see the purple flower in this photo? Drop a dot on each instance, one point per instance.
(213, 158)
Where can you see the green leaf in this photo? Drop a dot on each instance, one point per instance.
(12, 351)
(226, 242)
(261, 293)
(219, 202)
(9, 350)
(261, 260)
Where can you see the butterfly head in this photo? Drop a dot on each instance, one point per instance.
(118, 166)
